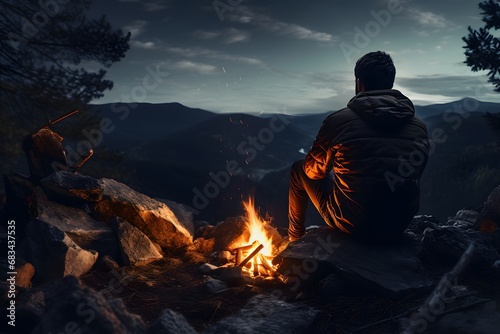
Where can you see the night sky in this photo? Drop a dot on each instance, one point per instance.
(288, 56)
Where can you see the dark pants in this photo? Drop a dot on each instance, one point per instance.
(302, 189)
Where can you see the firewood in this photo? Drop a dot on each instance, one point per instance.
(252, 254)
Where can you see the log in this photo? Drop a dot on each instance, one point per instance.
(238, 257)
(266, 265)
(246, 248)
(252, 254)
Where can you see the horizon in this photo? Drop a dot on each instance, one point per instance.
(243, 56)
(257, 113)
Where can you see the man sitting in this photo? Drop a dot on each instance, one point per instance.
(362, 172)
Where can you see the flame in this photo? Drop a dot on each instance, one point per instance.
(258, 234)
(256, 226)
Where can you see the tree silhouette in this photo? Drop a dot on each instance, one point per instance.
(42, 46)
(482, 47)
(482, 50)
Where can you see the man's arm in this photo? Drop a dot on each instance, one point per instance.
(319, 160)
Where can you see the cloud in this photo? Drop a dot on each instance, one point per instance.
(429, 22)
(246, 16)
(449, 86)
(136, 28)
(150, 6)
(213, 54)
(228, 36)
(187, 65)
(143, 45)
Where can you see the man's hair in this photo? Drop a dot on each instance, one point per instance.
(375, 70)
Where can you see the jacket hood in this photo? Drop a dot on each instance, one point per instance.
(387, 109)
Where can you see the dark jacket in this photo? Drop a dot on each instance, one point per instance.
(378, 150)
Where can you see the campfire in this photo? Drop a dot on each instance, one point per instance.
(254, 250)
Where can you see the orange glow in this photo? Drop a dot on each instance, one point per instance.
(257, 233)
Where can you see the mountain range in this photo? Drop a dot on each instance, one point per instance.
(212, 161)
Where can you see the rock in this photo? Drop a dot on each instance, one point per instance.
(496, 266)
(492, 203)
(446, 244)
(53, 253)
(199, 226)
(136, 248)
(25, 272)
(234, 276)
(183, 212)
(467, 215)
(465, 219)
(231, 232)
(153, 218)
(482, 319)
(266, 314)
(170, 322)
(86, 232)
(495, 237)
(222, 257)
(490, 214)
(393, 271)
(215, 285)
(207, 232)
(421, 222)
(66, 305)
(330, 287)
(207, 268)
(106, 264)
(72, 186)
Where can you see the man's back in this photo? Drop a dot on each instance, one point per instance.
(379, 150)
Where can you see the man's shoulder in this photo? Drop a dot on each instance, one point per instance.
(342, 115)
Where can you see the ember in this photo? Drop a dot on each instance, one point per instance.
(255, 251)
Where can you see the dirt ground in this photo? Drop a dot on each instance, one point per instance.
(176, 283)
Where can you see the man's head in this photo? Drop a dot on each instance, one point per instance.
(374, 71)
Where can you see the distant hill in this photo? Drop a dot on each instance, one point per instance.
(467, 105)
(147, 121)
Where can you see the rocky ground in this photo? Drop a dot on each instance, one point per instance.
(94, 256)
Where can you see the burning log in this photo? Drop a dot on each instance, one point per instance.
(252, 254)
(246, 248)
(255, 266)
(238, 257)
(266, 265)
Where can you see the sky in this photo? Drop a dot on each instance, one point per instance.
(288, 56)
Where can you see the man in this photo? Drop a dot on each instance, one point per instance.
(377, 150)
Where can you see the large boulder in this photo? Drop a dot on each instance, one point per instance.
(85, 231)
(153, 218)
(72, 185)
(67, 306)
(393, 270)
(53, 253)
(267, 314)
(136, 248)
